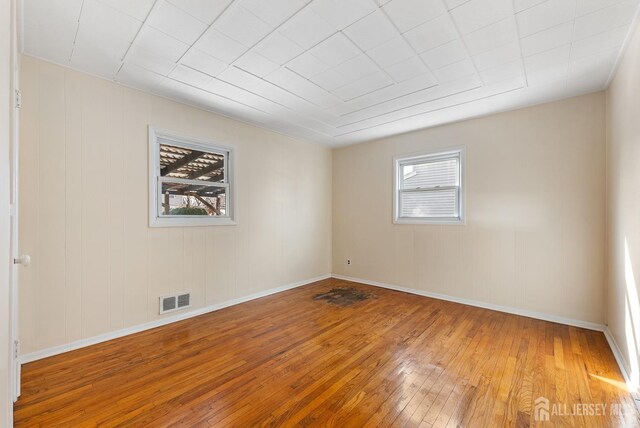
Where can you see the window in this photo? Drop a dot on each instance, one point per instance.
(429, 188)
(191, 182)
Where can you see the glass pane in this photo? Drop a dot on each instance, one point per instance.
(432, 203)
(432, 174)
(186, 199)
(181, 162)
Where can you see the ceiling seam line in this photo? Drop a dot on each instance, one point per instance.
(426, 112)
(410, 106)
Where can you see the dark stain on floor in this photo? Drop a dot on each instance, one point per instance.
(344, 296)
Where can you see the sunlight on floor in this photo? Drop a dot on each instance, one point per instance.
(619, 384)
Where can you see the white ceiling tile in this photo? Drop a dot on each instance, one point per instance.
(391, 52)
(602, 42)
(242, 98)
(475, 14)
(240, 78)
(302, 87)
(138, 77)
(307, 29)
(491, 36)
(50, 28)
(520, 5)
(203, 62)
(335, 50)
(104, 34)
(160, 44)
(545, 15)
(388, 93)
(220, 46)
(494, 58)
(256, 64)
(407, 69)
(329, 80)
(278, 48)
(452, 4)
(455, 71)
(272, 12)
(357, 68)
(150, 61)
(372, 30)
(205, 10)
(431, 34)
(138, 9)
(340, 13)
(593, 63)
(605, 19)
(548, 58)
(444, 55)
(506, 71)
(547, 39)
(86, 58)
(543, 76)
(229, 101)
(587, 6)
(307, 65)
(588, 82)
(242, 26)
(363, 86)
(407, 14)
(190, 76)
(176, 23)
(409, 102)
(591, 73)
(262, 87)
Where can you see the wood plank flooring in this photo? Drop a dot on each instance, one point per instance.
(289, 360)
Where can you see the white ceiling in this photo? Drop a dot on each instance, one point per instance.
(339, 71)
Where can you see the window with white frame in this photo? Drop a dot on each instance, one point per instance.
(191, 181)
(429, 188)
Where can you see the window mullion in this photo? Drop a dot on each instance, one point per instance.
(205, 183)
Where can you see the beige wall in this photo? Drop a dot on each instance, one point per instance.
(97, 266)
(5, 106)
(623, 201)
(535, 233)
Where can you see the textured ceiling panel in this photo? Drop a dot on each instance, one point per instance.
(337, 71)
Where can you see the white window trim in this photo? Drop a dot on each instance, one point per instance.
(155, 220)
(397, 160)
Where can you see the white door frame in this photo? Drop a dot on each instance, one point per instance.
(14, 376)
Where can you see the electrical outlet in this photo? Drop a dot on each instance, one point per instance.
(348, 261)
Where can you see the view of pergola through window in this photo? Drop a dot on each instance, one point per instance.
(192, 182)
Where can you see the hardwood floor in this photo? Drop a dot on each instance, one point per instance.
(393, 360)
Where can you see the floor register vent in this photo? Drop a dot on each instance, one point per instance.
(174, 302)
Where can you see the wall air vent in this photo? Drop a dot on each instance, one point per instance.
(184, 300)
(174, 302)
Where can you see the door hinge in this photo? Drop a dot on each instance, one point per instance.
(18, 98)
(16, 349)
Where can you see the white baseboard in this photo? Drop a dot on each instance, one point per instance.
(49, 352)
(516, 311)
(622, 363)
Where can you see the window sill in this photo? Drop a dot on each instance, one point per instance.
(191, 222)
(418, 221)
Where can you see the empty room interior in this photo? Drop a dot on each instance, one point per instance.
(348, 213)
